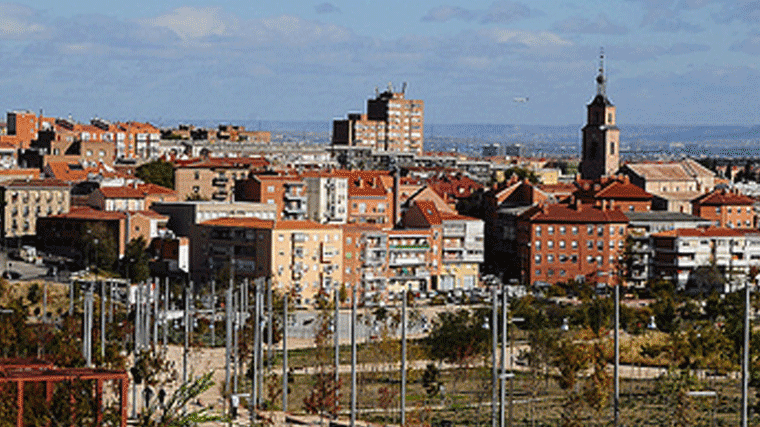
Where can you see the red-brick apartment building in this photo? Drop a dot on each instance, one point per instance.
(559, 243)
(726, 208)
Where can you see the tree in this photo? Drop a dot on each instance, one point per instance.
(159, 172)
(178, 410)
(324, 389)
(136, 259)
(458, 337)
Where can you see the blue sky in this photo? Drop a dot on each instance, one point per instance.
(668, 61)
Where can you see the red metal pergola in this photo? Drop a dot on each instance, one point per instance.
(22, 371)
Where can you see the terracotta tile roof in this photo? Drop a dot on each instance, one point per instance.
(150, 214)
(36, 183)
(88, 213)
(239, 222)
(660, 172)
(456, 217)
(149, 188)
(33, 173)
(723, 198)
(610, 189)
(223, 162)
(429, 211)
(303, 225)
(567, 213)
(121, 193)
(707, 232)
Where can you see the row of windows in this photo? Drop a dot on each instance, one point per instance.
(738, 209)
(574, 244)
(550, 259)
(574, 230)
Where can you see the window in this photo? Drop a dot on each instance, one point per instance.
(538, 230)
(574, 259)
(600, 230)
(550, 258)
(562, 244)
(562, 272)
(590, 230)
(612, 230)
(599, 259)
(550, 272)
(270, 189)
(630, 208)
(728, 209)
(589, 244)
(550, 244)
(600, 244)
(562, 258)
(538, 272)
(562, 230)
(574, 244)
(196, 189)
(717, 210)
(538, 244)
(612, 244)
(622, 230)
(538, 259)
(362, 207)
(270, 201)
(550, 230)
(575, 230)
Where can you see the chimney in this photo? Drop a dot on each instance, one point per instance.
(578, 205)
(545, 208)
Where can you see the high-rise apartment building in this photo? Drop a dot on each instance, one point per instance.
(392, 123)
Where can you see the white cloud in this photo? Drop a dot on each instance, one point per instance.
(531, 39)
(599, 25)
(18, 21)
(293, 30)
(192, 23)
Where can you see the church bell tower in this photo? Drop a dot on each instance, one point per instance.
(601, 137)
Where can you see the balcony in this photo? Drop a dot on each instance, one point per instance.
(417, 247)
(454, 232)
(219, 195)
(294, 196)
(294, 209)
(219, 181)
(406, 261)
(410, 273)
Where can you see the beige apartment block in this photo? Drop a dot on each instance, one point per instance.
(26, 200)
(303, 257)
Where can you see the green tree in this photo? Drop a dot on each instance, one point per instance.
(159, 172)
(458, 337)
(136, 259)
(179, 410)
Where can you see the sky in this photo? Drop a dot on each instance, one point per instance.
(681, 62)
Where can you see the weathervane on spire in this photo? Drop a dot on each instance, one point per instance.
(601, 79)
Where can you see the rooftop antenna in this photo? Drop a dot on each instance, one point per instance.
(377, 92)
(601, 78)
(403, 88)
(390, 87)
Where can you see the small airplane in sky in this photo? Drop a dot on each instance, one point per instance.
(520, 99)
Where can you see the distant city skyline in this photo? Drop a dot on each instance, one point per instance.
(682, 62)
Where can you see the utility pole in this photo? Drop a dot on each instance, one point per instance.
(616, 399)
(494, 369)
(256, 343)
(156, 292)
(285, 353)
(270, 324)
(228, 346)
(403, 357)
(336, 338)
(166, 312)
(212, 326)
(102, 321)
(745, 356)
(353, 357)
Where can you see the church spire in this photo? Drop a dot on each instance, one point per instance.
(601, 79)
